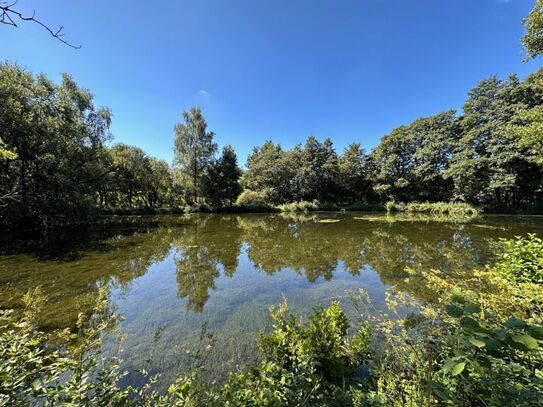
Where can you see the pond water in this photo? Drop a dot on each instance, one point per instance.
(173, 277)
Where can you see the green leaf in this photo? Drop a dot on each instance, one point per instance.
(477, 342)
(515, 323)
(458, 298)
(472, 308)
(440, 391)
(453, 310)
(459, 368)
(536, 331)
(469, 323)
(526, 340)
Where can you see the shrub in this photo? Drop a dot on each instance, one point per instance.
(249, 198)
(442, 208)
(311, 365)
(302, 365)
(522, 259)
(392, 206)
(300, 206)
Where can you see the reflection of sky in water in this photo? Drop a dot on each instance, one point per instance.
(174, 274)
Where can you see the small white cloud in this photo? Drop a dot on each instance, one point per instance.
(204, 93)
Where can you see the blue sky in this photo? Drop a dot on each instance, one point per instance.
(351, 70)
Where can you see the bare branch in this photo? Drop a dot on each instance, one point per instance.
(8, 15)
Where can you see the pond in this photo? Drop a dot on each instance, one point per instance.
(172, 278)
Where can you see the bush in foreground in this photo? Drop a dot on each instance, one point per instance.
(522, 259)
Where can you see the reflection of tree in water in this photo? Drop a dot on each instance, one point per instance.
(72, 286)
(315, 249)
(452, 249)
(206, 246)
(201, 251)
(305, 247)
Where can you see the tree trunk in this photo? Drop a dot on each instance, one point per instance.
(195, 181)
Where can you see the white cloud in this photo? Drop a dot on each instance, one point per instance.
(204, 93)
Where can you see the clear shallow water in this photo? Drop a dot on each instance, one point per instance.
(170, 276)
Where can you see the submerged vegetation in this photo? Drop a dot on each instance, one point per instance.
(467, 347)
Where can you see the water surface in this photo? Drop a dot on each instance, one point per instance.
(171, 276)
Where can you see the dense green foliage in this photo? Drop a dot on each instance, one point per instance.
(409, 162)
(133, 180)
(522, 259)
(56, 135)
(56, 166)
(300, 206)
(434, 208)
(253, 199)
(222, 179)
(55, 163)
(533, 39)
(489, 156)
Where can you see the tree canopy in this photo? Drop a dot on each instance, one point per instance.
(533, 39)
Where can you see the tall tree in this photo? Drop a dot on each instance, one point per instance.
(490, 166)
(132, 170)
(354, 174)
(222, 180)
(272, 170)
(318, 170)
(55, 136)
(194, 150)
(533, 39)
(410, 162)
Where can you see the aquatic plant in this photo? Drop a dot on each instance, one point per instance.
(393, 206)
(329, 220)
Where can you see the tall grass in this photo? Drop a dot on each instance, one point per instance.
(442, 208)
(300, 206)
(392, 206)
(305, 206)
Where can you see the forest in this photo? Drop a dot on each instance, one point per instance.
(59, 160)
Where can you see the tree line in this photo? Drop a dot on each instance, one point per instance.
(56, 157)
(57, 161)
(489, 155)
